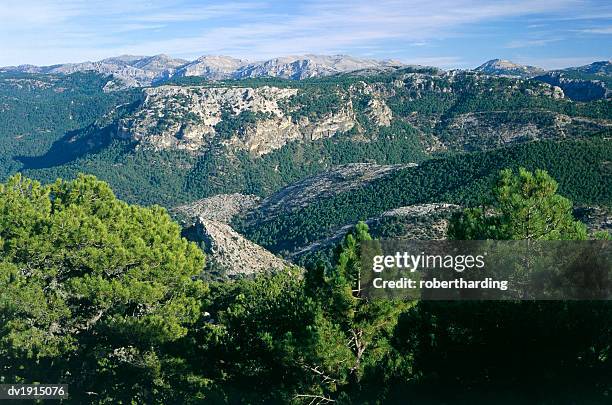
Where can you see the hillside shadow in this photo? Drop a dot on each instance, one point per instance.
(70, 147)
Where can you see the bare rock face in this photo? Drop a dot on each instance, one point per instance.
(267, 135)
(232, 254)
(335, 181)
(212, 67)
(379, 112)
(220, 208)
(185, 118)
(176, 117)
(501, 67)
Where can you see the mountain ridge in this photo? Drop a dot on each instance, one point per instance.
(504, 67)
(137, 71)
(142, 71)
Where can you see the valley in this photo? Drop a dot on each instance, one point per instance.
(290, 153)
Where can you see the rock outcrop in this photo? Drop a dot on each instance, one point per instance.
(220, 208)
(232, 255)
(186, 118)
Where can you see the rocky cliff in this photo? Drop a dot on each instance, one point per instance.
(257, 120)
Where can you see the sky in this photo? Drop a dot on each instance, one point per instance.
(444, 33)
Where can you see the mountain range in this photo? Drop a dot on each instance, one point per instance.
(146, 70)
(291, 152)
(583, 83)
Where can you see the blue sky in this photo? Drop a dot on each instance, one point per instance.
(444, 33)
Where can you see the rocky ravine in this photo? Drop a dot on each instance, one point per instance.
(338, 180)
(207, 220)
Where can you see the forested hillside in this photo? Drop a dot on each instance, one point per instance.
(194, 138)
(582, 167)
(38, 110)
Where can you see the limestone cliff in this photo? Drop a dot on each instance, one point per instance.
(257, 120)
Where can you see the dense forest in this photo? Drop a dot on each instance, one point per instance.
(37, 110)
(106, 297)
(582, 168)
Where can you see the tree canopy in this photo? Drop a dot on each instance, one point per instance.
(105, 296)
(91, 286)
(526, 206)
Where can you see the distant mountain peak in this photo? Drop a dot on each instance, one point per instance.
(504, 67)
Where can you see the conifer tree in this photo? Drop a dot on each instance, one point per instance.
(92, 289)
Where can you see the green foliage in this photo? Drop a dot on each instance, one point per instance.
(137, 176)
(481, 350)
(92, 289)
(37, 110)
(104, 296)
(315, 103)
(57, 126)
(526, 206)
(218, 171)
(581, 168)
(308, 336)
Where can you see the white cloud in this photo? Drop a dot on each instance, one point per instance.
(602, 30)
(526, 43)
(53, 31)
(324, 26)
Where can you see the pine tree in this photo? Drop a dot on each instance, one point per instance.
(92, 289)
(526, 206)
